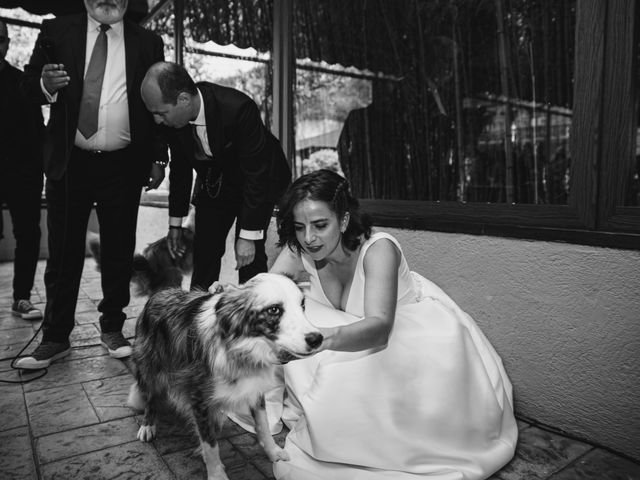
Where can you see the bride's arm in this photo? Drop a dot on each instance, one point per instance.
(288, 263)
(381, 263)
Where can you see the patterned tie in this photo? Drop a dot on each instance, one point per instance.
(92, 87)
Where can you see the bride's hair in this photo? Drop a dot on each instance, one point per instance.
(328, 187)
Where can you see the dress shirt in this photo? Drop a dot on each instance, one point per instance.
(113, 116)
(200, 124)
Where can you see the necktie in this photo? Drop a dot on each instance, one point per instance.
(198, 149)
(92, 86)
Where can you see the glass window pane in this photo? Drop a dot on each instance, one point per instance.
(469, 101)
(323, 100)
(632, 191)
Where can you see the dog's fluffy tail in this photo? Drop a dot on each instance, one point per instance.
(141, 275)
(136, 399)
(93, 245)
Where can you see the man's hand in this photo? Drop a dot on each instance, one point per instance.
(156, 175)
(245, 252)
(54, 77)
(175, 243)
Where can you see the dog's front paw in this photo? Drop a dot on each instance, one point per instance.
(217, 474)
(216, 288)
(146, 433)
(277, 453)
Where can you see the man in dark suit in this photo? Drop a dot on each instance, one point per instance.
(241, 169)
(21, 129)
(100, 149)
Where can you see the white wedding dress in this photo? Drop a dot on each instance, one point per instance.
(435, 403)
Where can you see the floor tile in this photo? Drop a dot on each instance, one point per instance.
(16, 457)
(131, 461)
(81, 332)
(174, 434)
(540, 453)
(599, 464)
(87, 306)
(13, 412)
(16, 335)
(186, 464)
(79, 371)
(189, 464)
(5, 366)
(88, 342)
(79, 352)
(88, 317)
(9, 322)
(82, 440)
(109, 396)
(61, 408)
(10, 351)
(248, 446)
(230, 428)
(129, 327)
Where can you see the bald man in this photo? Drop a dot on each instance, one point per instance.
(241, 169)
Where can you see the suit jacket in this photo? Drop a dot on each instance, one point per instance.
(68, 37)
(21, 130)
(250, 158)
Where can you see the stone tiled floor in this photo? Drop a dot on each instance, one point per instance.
(73, 422)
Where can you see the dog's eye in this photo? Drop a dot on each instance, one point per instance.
(274, 310)
(302, 304)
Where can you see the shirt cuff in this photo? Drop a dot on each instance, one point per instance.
(50, 98)
(175, 221)
(251, 234)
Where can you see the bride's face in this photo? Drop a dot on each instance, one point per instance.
(317, 228)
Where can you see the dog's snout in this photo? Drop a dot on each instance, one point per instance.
(313, 339)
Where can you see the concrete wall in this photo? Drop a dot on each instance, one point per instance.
(565, 319)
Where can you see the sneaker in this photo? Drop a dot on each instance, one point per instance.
(117, 345)
(44, 355)
(26, 310)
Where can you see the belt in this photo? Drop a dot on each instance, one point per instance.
(99, 153)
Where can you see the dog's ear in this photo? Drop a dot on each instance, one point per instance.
(232, 307)
(301, 279)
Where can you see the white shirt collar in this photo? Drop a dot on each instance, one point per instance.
(200, 119)
(94, 25)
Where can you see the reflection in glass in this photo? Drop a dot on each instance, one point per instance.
(632, 192)
(470, 101)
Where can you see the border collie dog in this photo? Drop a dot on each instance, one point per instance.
(208, 352)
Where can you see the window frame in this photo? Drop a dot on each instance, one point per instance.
(603, 137)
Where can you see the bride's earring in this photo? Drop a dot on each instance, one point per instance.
(344, 224)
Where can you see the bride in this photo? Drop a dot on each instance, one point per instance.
(406, 385)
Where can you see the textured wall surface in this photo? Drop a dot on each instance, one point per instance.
(565, 319)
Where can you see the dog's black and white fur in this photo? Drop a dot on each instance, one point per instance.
(209, 352)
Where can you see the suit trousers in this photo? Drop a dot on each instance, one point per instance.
(214, 219)
(106, 181)
(23, 196)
